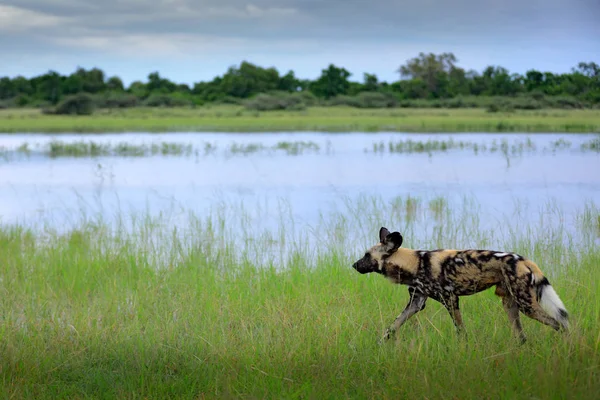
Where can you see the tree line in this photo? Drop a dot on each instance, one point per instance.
(433, 78)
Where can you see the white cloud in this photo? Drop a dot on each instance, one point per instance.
(152, 45)
(170, 45)
(17, 19)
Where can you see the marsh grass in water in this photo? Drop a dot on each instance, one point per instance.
(152, 310)
(93, 149)
(432, 145)
(592, 145)
(82, 148)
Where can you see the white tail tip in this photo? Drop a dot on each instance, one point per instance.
(552, 304)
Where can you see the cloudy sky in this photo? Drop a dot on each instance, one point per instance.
(192, 40)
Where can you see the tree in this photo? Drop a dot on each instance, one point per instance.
(591, 70)
(49, 86)
(533, 80)
(432, 69)
(248, 80)
(289, 82)
(158, 84)
(115, 83)
(498, 82)
(7, 88)
(92, 81)
(332, 82)
(371, 82)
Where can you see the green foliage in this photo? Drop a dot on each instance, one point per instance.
(116, 100)
(78, 104)
(165, 100)
(332, 82)
(365, 100)
(276, 101)
(436, 78)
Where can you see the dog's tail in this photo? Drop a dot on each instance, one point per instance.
(547, 297)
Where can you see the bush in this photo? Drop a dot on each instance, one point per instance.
(167, 100)
(462, 102)
(566, 102)
(78, 104)
(307, 98)
(275, 101)
(365, 100)
(500, 104)
(229, 100)
(116, 100)
(528, 104)
(22, 100)
(343, 100)
(376, 100)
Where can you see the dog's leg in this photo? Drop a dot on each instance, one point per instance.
(512, 310)
(415, 304)
(451, 304)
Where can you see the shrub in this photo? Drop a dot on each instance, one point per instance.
(307, 98)
(116, 100)
(376, 100)
(500, 104)
(21, 100)
(166, 100)
(78, 104)
(229, 100)
(275, 101)
(343, 100)
(462, 102)
(365, 100)
(566, 102)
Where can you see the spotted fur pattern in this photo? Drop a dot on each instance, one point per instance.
(444, 275)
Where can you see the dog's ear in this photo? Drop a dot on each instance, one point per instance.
(383, 232)
(392, 241)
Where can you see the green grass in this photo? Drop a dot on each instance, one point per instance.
(330, 119)
(157, 312)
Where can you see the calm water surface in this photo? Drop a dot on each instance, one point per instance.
(37, 188)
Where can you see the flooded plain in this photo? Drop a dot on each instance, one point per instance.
(296, 181)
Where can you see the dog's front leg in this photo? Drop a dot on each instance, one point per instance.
(415, 304)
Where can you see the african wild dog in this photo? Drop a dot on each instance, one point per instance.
(444, 275)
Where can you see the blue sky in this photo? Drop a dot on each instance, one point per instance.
(188, 41)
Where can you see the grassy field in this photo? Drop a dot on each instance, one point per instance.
(329, 119)
(153, 312)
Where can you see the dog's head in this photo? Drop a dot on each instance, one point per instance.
(373, 259)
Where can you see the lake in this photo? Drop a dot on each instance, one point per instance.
(509, 177)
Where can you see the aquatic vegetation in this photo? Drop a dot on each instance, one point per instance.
(430, 146)
(592, 145)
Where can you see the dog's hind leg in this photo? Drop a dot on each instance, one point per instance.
(528, 305)
(451, 304)
(512, 310)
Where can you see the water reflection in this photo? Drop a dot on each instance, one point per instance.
(57, 191)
